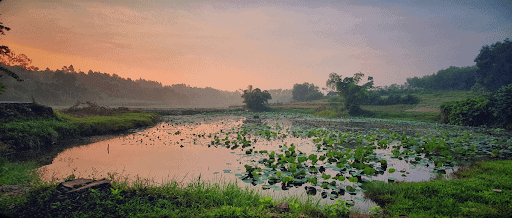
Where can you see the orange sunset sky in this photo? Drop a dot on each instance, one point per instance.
(272, 44)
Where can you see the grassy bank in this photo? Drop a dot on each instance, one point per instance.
(33, 134)
(483, 190)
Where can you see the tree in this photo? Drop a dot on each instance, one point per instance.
(306, 92)
(495, 65)
(9, 58)
(255, 99)
(353, 94)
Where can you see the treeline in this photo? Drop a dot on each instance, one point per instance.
(452, 78)
(66, 87)
(493, 69)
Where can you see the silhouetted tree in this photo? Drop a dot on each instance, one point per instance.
(255, 99)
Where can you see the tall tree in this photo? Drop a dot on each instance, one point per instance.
(348, 87)
(255, 99)
(495, 65)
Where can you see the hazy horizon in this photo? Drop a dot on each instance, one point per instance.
(228, 45)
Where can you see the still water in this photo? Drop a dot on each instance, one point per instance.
(180, 149)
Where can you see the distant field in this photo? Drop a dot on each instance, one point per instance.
(427, 110)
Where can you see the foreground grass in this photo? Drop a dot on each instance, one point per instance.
(198, 199)
(484, 190)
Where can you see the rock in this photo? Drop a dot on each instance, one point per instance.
(282, 207)
(79, 185)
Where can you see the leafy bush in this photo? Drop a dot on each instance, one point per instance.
(502, 105)
(469, 112)
(492, 109)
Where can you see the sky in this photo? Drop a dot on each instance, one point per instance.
(271, 44)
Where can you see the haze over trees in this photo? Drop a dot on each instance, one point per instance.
(66, 86)
(306, 92)
(255, 99)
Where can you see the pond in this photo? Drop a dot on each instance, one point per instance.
(279, 155)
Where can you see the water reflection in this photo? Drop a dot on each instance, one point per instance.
(181, 149)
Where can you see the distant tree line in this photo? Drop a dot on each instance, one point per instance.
(452, 78)
(306, 92)
(280, 96)
(493, 69)
(65, 86)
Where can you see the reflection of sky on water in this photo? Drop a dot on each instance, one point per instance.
(180, 149)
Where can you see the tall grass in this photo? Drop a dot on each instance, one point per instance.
(22, 173)
(197, 199)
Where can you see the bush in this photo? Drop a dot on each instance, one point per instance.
(470, 112)
(491, 109)
(502, 105)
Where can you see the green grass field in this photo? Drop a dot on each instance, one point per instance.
(425, 111)
(484, 190)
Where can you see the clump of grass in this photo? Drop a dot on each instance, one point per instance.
(17, 173)
(484, 190)
(327, 113)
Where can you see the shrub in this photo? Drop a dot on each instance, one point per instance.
(470, 112)
(502, 105)
(491, 109)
